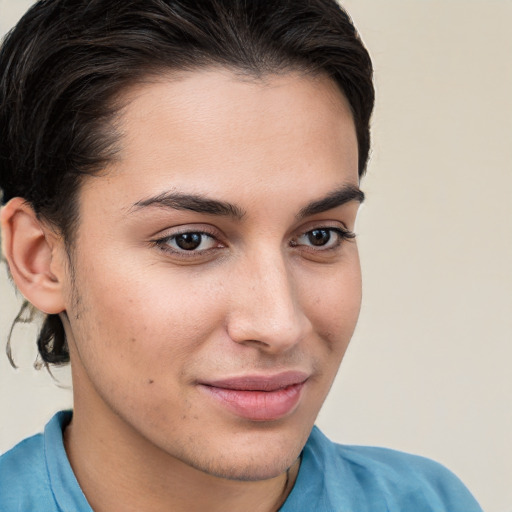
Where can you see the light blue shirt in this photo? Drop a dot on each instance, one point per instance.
(35, 476)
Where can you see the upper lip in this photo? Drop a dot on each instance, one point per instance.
(259, 382)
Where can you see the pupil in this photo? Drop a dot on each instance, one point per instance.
(319, 236)
(188, 241)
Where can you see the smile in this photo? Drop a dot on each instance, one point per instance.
(258, 398)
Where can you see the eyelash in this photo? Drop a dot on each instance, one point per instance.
(342, 234)
(163, 243)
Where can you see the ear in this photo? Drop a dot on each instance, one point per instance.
(34, 254)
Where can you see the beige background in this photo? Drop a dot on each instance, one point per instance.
(429, 367)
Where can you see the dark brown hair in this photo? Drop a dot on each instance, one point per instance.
(66, 61)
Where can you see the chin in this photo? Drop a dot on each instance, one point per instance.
(252, 459)
(250, 470)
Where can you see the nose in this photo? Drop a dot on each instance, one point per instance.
(265, 306)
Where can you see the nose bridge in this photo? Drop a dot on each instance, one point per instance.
(266, 308)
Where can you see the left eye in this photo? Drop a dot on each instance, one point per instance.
(323, 238)
(191, 241)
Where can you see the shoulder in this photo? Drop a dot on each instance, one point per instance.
(378, 479)
(23, 474)
(25, 457)
(25, 480)
(412, 477)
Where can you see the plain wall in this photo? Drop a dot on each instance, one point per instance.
(428, 370)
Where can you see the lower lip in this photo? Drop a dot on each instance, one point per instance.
(258, 405)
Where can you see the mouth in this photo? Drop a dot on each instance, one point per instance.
(258, 397)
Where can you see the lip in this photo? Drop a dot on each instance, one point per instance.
(258, 397)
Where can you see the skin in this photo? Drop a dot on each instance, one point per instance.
(146, 322)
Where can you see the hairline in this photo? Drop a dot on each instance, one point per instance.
(125, 95)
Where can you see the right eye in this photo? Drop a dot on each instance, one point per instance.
(188, 242)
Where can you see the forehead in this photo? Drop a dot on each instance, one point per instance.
(211, 129)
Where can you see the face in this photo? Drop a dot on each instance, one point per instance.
(215, 285)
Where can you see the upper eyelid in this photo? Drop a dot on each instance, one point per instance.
(334, 225)
(344, 235)
(172, 236)
(162, 237)
(213, 232)
(181, 230)
(342, 231)
(163, 243)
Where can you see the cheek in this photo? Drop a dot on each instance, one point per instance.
(149, 321)
(333, 305)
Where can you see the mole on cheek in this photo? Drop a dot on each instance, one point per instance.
(150, 381)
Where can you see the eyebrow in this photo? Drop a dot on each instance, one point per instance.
(201, 204)
(338, 197)
(192, 202)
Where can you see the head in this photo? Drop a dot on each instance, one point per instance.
(175, 166)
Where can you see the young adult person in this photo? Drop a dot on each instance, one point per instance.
(180, 184)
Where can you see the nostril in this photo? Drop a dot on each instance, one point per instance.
(269, 335)
(265, 310)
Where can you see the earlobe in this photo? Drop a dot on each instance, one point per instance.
(33, 255)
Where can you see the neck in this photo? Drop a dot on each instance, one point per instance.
(119, 470)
